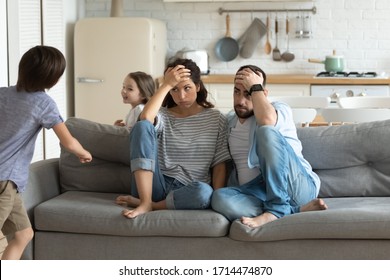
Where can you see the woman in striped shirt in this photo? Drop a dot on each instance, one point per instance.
(178, 149)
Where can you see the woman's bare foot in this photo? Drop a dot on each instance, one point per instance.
(258, 221)
(141, 209)
(314, 205)
(127, 200)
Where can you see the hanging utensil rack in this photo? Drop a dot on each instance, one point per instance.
(312, 10)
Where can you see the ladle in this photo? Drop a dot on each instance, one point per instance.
(287, 55)
(267, 47)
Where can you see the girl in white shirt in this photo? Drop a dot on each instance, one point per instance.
(137, 89)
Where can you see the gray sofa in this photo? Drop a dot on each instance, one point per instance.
(74, 215)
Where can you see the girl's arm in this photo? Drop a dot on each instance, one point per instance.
(70, 143)
(219, 175)
(172, 77)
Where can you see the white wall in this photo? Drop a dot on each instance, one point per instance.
(357, 29)
(3, 44)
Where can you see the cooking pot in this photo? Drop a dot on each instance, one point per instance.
(333, 63)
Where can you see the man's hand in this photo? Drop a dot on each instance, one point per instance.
(248, 78)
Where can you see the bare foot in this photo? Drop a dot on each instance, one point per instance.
(258, 221)
(141, 209)
(127, 200)
(314, 205)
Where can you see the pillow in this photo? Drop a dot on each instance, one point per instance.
(351, 159)
(109, 170)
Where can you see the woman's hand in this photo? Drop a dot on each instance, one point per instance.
(176, 75)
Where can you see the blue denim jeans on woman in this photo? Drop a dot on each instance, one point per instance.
(280, 189)
(144, 155)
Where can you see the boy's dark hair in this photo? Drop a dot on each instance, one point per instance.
(145, 83)
(201, 98)
(255, 69)
(40, 68)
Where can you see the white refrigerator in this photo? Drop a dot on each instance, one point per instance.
(105, 51)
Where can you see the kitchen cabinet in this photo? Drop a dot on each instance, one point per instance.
(289, 89)
(222, 94)
(221, 86)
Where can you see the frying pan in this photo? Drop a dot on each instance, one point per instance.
(227, 48)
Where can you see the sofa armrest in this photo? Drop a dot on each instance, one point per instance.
(43, 184)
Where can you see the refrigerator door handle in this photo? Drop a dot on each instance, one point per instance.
(89, 80)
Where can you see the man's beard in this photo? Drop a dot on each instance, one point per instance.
(243, 114)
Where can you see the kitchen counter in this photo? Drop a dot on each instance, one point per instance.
(300, 79)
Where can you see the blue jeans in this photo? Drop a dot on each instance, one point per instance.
(280, 189)
(144, 155)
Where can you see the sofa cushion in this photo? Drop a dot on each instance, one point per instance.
(351, 160)
(346, 218)
(109, 170)
(97, 213)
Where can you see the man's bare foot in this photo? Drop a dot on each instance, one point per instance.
(127, 200)
(141, 209)
(258, 221)
(314, 205)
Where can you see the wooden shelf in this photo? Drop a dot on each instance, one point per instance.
(300, 79)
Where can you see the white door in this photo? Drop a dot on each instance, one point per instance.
(30, 23)
(3, 45)
(24, 28)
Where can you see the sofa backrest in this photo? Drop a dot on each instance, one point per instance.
(351, 160)
(109, 170)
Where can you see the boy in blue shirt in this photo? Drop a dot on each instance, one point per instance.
(25, 109)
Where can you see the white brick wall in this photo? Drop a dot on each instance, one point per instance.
(357, 29)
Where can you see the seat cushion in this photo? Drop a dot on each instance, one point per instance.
(346, 218)
(97, 213)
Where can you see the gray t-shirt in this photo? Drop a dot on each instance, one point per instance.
(286, 126)
(23, 114)
(189, 147)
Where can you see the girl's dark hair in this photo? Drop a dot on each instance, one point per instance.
(201, 98)
(255, 69)
(145, 83)
(40, 68)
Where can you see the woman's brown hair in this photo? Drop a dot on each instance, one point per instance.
(202, 94)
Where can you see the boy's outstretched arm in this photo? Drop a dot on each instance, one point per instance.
(70, 143)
